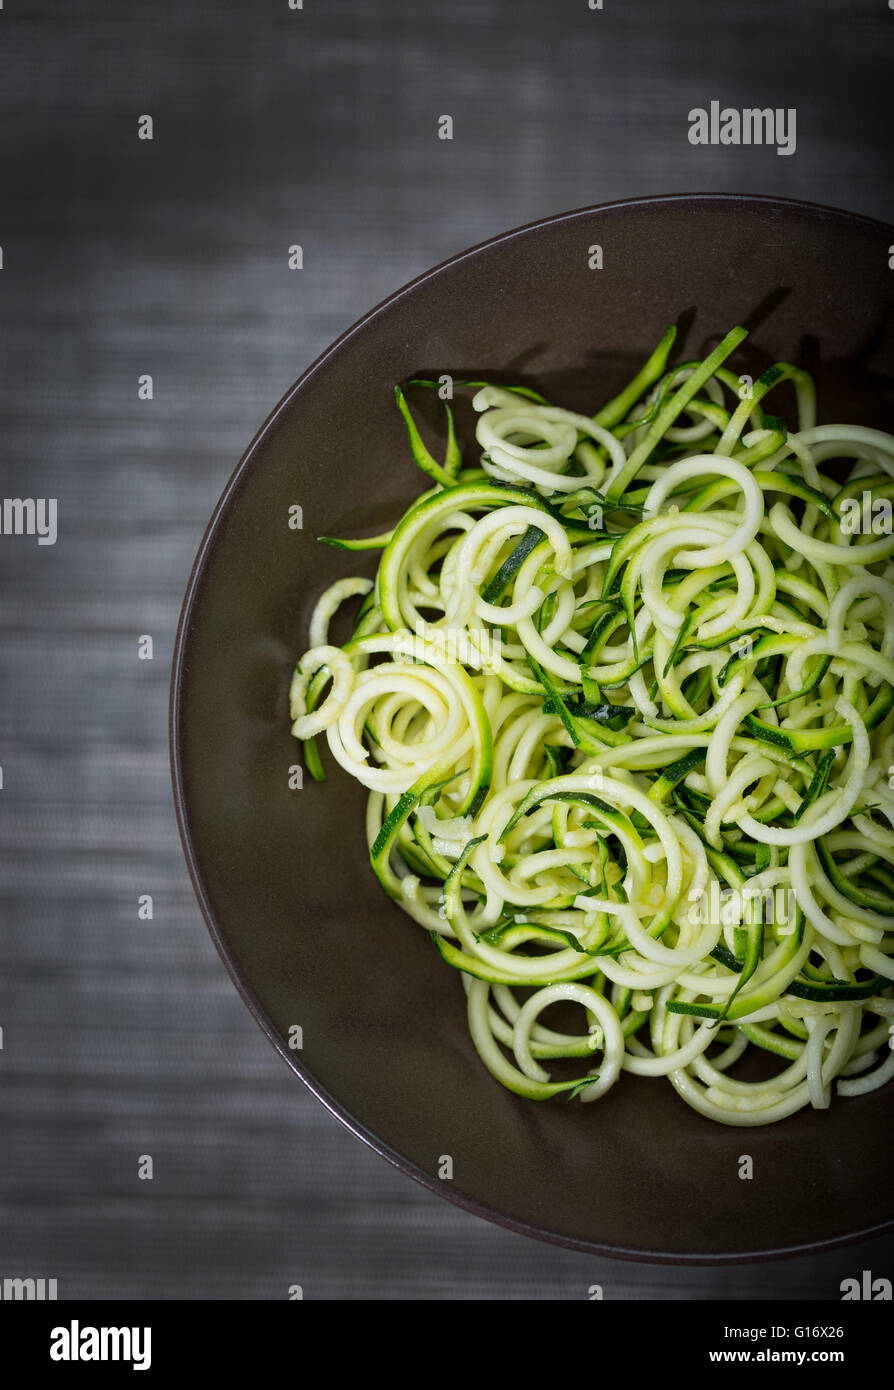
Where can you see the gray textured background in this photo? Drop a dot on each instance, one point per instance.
(124, 257)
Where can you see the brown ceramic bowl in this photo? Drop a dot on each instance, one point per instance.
(283, 876)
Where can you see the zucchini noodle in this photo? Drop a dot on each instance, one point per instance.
(621, 694)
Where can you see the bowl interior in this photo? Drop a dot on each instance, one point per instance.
(283, 875)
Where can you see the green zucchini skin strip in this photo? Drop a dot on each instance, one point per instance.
(673, 775)
(806, 740)
(525, 391)
(423, 458)
(615, 409)
(672, 409)
(512, 564)
(370, 543)
(874, 902)
(817, 783)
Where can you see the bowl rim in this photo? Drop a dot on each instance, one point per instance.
(192, 596)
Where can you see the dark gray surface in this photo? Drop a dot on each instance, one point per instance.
(121, 257)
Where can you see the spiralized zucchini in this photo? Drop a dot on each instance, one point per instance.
(623, 697)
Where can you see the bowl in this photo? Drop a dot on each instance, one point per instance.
(349, 990)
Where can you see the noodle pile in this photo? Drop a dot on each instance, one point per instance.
(623, 698)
